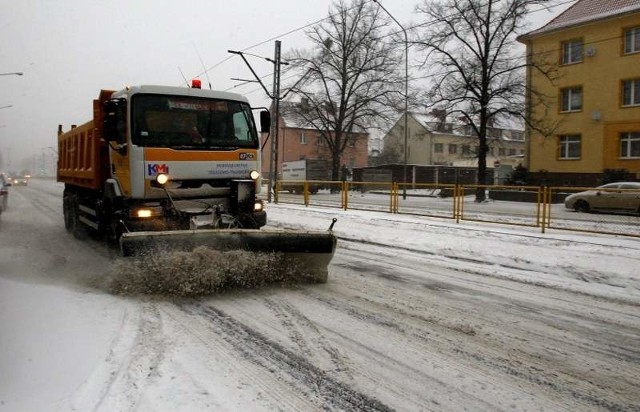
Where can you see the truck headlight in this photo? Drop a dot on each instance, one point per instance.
(162, 179)
(258, 206)
(254, 175)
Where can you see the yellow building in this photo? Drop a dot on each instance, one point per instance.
(589, 108)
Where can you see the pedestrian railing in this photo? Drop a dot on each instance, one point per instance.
(533, 206)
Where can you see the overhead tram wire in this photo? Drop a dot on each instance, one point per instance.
(379, 38)
(279, 36)
(226, 59)
(266, 84)
(269, 40)
(325, 18)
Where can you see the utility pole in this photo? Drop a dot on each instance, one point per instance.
(275, 99)
(406, 96)
(275, 113)
(273, 162)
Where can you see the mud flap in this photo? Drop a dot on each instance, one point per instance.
(313, 251)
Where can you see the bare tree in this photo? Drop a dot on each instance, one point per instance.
(351, 79)
(475, 72)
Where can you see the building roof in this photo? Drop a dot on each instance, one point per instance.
(435, 125)
(289, 112)
(290, 115)
(586, 11)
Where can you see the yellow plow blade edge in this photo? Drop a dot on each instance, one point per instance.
(311, 251)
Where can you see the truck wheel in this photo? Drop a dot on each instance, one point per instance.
(72, 218)
(70, 210)
(114, 232)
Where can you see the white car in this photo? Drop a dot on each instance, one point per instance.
(612, 197)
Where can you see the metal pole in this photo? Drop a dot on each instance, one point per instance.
(406, 110)
(273, 163)
(406, 96)
(275, 113)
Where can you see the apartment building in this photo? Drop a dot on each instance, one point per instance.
(434, 140)
(591, 105)
(298, 139)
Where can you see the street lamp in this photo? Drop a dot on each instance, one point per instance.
(12, 74)
(406, 95)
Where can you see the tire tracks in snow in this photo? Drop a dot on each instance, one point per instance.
(518, 271)
(218, 353)
(309, 338)
(564, 358)
(130, 366)
(301, 376)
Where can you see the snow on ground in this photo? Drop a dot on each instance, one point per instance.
(593, 264)
(64, 348)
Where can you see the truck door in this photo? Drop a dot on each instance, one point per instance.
(121, 169)
(115, 132)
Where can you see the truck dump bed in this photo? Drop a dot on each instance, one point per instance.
(83, 157)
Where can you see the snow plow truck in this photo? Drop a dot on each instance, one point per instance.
(175, 168)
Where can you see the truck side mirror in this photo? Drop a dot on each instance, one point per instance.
(265, 121)
(115, 120)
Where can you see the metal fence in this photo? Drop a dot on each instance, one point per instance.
(533, 206)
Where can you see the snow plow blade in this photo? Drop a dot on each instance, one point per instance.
(312, 251)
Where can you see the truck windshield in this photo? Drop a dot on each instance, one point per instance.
(184, 122)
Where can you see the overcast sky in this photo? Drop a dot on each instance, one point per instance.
(70, 49)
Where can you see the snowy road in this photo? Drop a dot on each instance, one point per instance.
(418, 314)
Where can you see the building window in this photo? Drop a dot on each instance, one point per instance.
(631, 92)
(453, 149)
(352, 141)
(466, 149)
(571, 99)
(632, 40)
(569, 146)
(494, 132)
(571, 51)
(438, 147)
(502, 151)
(303, 139)
(320, 141)
(512, 152)
(630, 145)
